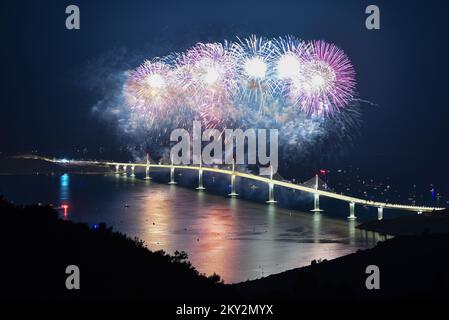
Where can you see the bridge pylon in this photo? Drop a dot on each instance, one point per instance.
(124, 170)
(172, 173)
(271, 194)
(147, 169)
(271, 189)
(147, 173)
(316, 203)
(233, 193)
(200, 180)
(117, 169)
(380, 213)
(133, 168)
(172, 176)
(316, 196)
(352, 211)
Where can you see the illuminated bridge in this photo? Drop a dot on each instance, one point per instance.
(122, 168)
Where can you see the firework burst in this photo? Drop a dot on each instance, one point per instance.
(325, 82)
(289, 55)
(254, 58)
(149, 91)
(304, 89)
(206, 74)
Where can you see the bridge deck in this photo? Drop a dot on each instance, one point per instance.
(261, 179)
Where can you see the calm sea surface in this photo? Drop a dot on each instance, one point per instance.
(237, 239)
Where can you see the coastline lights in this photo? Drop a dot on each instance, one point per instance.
(216, 80)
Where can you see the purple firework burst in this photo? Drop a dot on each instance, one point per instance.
(207, 74)
(325, 82)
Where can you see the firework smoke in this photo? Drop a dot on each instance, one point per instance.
(306, 89)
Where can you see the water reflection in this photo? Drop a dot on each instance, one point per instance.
(351, 231)
(316, 226)
(271, 214)
(64, 194)
(64, 188)
(237, 239)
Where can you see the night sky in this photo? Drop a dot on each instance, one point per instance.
(48, 89)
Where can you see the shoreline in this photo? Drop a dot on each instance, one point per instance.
(427, 223)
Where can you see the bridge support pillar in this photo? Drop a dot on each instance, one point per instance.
(147, 173)
(233, 191)
(117, 169)
(200, 180)
(316, 203)
(172, 176)
(124, 170)
(132, 171)
(271, 193)
(352, 211)
(419, 212)
(380, 213)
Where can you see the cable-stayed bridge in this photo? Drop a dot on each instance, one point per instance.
(314, 186)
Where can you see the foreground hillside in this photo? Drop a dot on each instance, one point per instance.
(37, 247)
(410, 267)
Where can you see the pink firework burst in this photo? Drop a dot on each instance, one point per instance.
(206, 74)
(149, 90)
(325, 82)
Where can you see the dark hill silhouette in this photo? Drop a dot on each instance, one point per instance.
(433, 222)
(36, 247)
(414, 267)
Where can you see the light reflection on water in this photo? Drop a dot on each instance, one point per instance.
(237, 239)
(64, 190)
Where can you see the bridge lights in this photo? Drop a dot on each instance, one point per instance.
(271, 188)
(271, 193)
(172, 176)
(316, 203)
(352, 211)
(380, 213)
(147, 173)
(200, 180)
(233, 191)
(147, 168)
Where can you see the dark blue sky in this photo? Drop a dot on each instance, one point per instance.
(46, 101)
